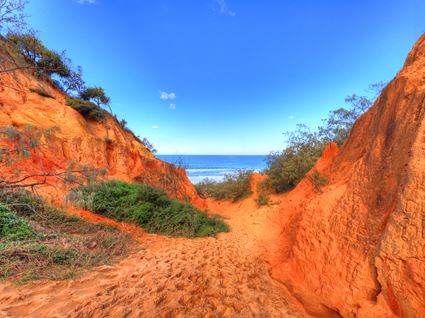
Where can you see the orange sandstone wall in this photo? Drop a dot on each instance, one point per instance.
(77, 139)
(356, 248)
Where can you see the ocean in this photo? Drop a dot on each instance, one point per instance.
(215, 167)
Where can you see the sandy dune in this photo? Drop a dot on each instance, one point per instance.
(207, 277)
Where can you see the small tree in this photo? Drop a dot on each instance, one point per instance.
(96, 95)
(149, 145)
(123, 123)
(74, 82)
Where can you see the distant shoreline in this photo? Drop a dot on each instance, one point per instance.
(215, 167)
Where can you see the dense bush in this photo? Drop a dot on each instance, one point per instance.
(88, 109)
(147, 207)
(287, 168)
(305, 146)
(234, 187)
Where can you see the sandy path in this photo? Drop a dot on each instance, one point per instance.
(207, 277)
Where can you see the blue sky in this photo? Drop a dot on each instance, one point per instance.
(229, 76)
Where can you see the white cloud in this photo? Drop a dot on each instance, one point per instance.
(86, 1)
(155, 127)
(172, 106)
(224, 9)
(291, 117)
(167, 96)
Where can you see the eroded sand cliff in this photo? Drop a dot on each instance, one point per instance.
(356, 248)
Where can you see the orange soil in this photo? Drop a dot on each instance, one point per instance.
(169, 277)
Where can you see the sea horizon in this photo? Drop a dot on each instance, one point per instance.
(215, 167)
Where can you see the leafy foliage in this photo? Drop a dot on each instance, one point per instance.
(46, 62)
(287, 168)
(234, 187)
(96, 95)
(13, 228)
(147, 207)
(305, 146)
(88, 109)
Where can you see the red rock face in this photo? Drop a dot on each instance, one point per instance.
(87, 142)
(356, 248)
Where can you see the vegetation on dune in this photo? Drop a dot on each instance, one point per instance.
(234, 187)
(13, 228)
(41, 242)
(263, 199)
(87, 109)
(26, 51)
(147, 207)
(149, 146)
(305, 146)
(96, 95)
(21, 49)
(44, 61)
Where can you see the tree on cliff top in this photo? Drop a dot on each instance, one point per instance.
(45, 62)
(305, 146)
(96, 95)
(149, 146)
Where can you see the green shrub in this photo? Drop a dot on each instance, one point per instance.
(42, 92)
(88, 109)
(13, 228)
(263, 199)
(147, 207)
(286, 169)
(234, 187)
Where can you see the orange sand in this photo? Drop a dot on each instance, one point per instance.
(169, 277)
